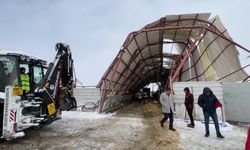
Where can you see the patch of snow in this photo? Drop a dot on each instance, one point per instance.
(83, 115)
(193, 138)
(90, 130)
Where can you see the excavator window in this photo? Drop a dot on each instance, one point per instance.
(25, 77)
(38, 75)
(8, 72)
(35, 74)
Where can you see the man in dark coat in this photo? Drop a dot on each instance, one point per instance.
(207, 102)
(189, 103)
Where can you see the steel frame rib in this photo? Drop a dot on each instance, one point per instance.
(134, 57)
(234, 72)
(120, 54)
(135, 84)
(137, 66)
(124, 73)
(193, 47)
(194, 64)
(149, 46)
(174, 39)
(155, 56)
(211, 62)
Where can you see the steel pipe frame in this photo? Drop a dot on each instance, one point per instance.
(182, 27)
(235, 72)
(122, 75)
(193, 47)
(211, 62)
(187, 39)
(168, 23)
(203, 53)
(133, 60)
(162, 54)
(133, 57)
(189, 44)
(197, 27)
(125, 43)
(114, 62)
(120, 54)
(138, 83)
(141, 62)
(117, 82)
(188, 55)
(133, 80)
(150, 52)
(120, 59)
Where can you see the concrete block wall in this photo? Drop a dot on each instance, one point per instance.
(196, 88)
(237, 101)
(84, 95)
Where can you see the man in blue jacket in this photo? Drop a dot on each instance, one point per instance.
(207, 102)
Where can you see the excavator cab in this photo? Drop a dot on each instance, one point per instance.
(10, 65)
(10, 76)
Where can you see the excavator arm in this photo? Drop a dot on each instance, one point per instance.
(59, 80)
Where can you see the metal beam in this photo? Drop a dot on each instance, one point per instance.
(193, 47)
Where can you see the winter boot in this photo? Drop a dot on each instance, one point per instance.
(190, 125)
(162, 124)
(207, 134)
(171, 128)
(220, 136)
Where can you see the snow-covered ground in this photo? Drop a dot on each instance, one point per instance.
(133, 128)
(84, 115)
(193, 138)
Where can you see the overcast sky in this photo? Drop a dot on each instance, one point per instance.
(95, 30)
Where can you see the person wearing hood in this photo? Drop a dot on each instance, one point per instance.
(189, 103)
(207, 102)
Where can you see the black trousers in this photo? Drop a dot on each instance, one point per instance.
(190, 114)
(171, 118)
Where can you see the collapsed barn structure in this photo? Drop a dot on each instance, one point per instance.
(204, 51)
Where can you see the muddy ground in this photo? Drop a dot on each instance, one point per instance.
(135, 126)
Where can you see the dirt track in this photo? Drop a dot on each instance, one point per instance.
(154, 137)
(133, 127)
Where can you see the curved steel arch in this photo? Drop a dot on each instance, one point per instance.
(205, 44)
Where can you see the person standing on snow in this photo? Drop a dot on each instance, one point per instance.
(207, 102)
(166, 100)
(189, 103)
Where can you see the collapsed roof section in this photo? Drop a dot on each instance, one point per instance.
(205, 52)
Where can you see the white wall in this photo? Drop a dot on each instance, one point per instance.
(196, 88)
(84, 95)
(237, 101)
